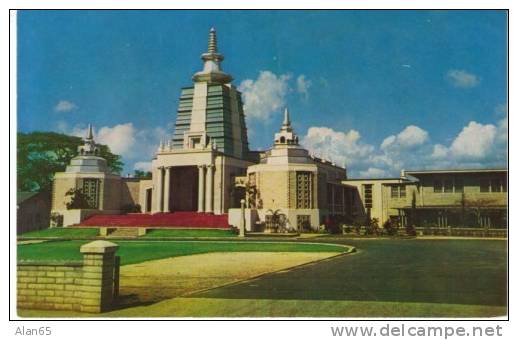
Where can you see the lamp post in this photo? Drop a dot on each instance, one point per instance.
(243, 220)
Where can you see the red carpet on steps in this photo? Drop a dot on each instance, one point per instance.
(176, 219)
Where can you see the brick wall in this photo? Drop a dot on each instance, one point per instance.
(87, 286)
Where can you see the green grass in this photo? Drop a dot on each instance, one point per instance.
(139, 251)
(63, 232)
(189, 233)
(203, 307)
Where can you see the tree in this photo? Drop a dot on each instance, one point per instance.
(78, 200)
(142, 174)
(41, 154)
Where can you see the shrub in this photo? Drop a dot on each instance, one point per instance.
(78, 199)
(410, 230)
(56, 220)
(390, 228)
(131, 208)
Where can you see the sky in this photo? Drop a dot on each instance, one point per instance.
(376, 91)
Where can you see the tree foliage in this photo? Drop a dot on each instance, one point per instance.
(78, 200)
(41, 154)
(142, 174)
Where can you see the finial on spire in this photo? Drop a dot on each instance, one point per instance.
(213, 43)
(286, 122)
(90, 134)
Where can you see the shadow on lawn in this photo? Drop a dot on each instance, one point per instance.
(472, 272)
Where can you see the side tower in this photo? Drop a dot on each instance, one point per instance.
(210, 113)
(88, 181)
(195, 170)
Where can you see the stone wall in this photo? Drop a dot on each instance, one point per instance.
(87, 286)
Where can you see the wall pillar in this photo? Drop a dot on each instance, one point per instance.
(167, 188)
(99, 276)
(201, 188)
(333, 199)
(209, 199)
(159, 191)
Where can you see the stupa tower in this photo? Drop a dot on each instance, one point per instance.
(210, 113)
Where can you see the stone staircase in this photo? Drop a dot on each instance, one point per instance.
(123, 233)
(179, 219)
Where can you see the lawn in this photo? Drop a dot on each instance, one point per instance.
(63, 232)
(139, 251)
(189, 233)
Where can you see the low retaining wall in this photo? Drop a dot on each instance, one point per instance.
(88, 286)
(470, 232)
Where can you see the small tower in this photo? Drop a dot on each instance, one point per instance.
(88, 158)
(286, 136)
(89, 148)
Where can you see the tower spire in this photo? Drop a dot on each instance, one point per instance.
(90, 134)
(286, 124)
(213, 43)
(212, 72)
(89, 148)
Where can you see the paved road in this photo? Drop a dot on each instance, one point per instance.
(433, 271)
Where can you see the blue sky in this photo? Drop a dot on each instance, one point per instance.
(375, 90)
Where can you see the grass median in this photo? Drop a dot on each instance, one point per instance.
(140, 251)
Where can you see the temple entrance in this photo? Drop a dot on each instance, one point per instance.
(149, 195)
(184, 189)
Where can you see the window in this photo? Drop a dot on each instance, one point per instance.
(367, 195)
(437, 186)
(484, 185)
(459, 185)
(394, 191)
(402, 191)
(91, 191)
(303, 190)
(448, 185)
(195, 142)
(398, 191)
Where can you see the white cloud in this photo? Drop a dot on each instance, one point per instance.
(439, 152)
(131, 143)
(339, 147)
(144, 166)
(303, 85)
(120, 138)
(476, 145)
(374, 173)
(411, 136)
(265, 95)
(474, 141)
(65, 106)
(463, 79)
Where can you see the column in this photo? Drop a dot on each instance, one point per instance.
(97, 293)
(158, 191)
(209, 199)
(333, 199)
(201, 188)
(343, 200)
(167, 188)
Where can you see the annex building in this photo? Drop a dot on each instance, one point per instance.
(205, 175)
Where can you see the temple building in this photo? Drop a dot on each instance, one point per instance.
(289, 183)
(206, 176)
(194, 170)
